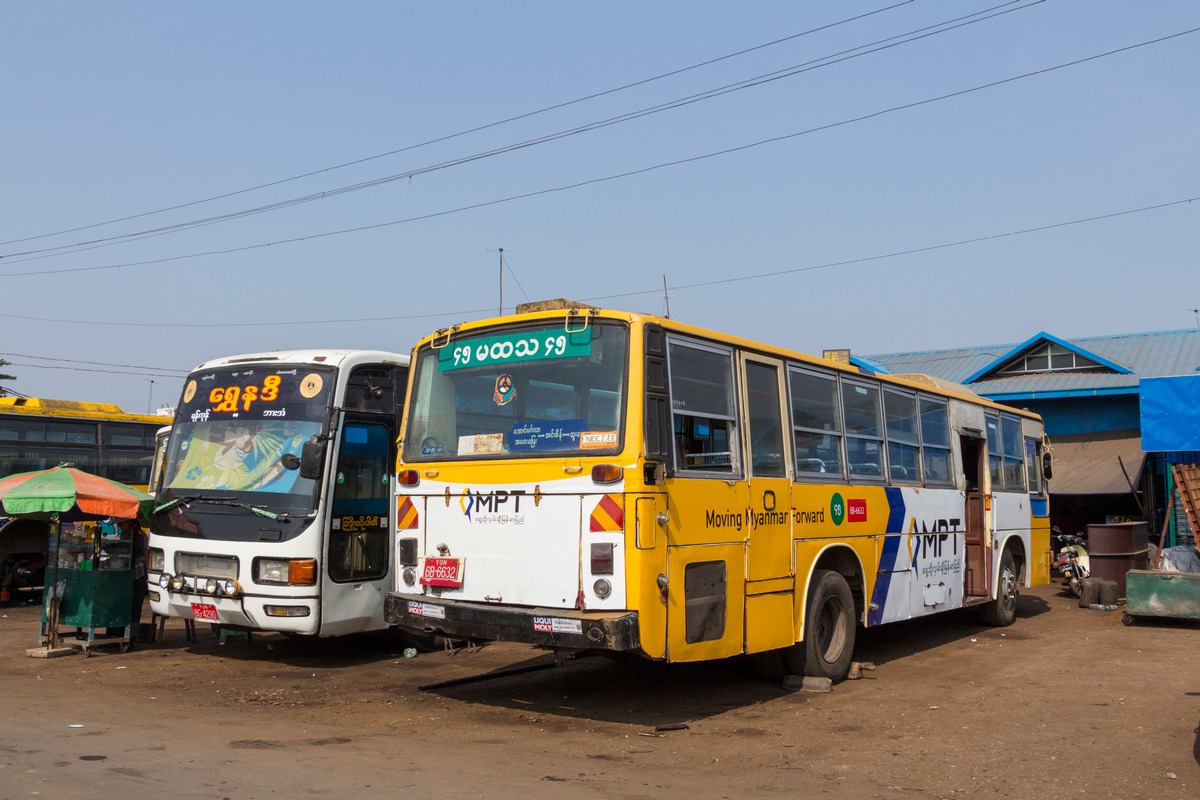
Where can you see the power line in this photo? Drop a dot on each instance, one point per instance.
(759, 80)
(476, 129)
(717, 282)
(95, 363)
(617, 176)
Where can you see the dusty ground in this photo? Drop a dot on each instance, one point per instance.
(1067, 703)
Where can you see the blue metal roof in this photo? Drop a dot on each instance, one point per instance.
(1124, 360)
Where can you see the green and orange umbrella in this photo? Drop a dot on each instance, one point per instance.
(70, 493)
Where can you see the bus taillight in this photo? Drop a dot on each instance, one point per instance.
(607, 473)
(408, 477)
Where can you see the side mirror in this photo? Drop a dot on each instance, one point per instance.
(1047, 466)
(312, 459)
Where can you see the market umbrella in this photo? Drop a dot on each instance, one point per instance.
(70, 494)
(65, 493)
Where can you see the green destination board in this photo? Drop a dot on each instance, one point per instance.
(518, 346)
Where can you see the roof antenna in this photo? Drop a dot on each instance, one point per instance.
(1196, 311)
(667, 298)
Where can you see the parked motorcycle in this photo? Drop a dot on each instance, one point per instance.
(1072, 561)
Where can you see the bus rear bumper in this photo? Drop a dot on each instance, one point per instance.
(557, 628)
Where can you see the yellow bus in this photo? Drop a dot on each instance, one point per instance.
(585, 479)
(99, 438)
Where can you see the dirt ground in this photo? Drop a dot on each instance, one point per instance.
(1066, 703)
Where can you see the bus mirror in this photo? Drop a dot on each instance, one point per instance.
(312, 459)
(290, 461)
(1047, 466)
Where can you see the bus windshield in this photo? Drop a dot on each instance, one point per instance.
(527, 391)
(235, 425)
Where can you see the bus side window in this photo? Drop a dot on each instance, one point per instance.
(702, 399)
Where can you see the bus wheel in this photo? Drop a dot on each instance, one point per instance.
(829, 631)
(1002, 611)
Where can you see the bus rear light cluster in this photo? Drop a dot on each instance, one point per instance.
(607, 473)
(408, 477)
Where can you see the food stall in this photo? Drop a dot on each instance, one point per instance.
(92, 582)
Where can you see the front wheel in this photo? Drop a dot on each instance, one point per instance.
(1002, 611)
(829, 630)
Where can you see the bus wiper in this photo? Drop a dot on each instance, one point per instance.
(181, 501)
(220, 501)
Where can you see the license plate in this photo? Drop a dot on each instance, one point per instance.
(442, 571)
(204, 612)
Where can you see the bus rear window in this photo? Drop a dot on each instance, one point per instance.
(519, 392)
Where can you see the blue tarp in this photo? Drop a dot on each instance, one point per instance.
(1170, 413)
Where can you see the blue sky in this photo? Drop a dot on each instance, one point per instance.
(881, 199)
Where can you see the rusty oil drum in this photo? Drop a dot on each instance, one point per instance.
(1114, 549)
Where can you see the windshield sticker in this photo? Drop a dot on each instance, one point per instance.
(529, 437)
(481, 444)
(505, 391)
(311, 386)
(597, 440)
(237, 456)
(515, 347)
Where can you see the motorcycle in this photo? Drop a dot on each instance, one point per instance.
(1072, 561)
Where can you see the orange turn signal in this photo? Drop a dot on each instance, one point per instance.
(607, 473)
(302, 572)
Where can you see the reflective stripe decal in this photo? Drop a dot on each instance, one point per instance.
(608, 514)
(406, 515)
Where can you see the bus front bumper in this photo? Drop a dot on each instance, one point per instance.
(556, 628)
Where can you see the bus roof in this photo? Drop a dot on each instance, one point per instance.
(40, 407)
(331, 357)
(576, 314)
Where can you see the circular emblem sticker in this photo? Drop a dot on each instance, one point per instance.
(837, 508)
(504, 390)
(310, 387)
(189, 391)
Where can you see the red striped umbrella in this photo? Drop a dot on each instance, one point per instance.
(71, 494)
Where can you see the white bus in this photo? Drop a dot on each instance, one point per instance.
(274, 512)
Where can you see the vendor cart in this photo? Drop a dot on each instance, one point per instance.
(88, 603)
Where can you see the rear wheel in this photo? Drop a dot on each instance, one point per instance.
(1002, 611)
(829, 630)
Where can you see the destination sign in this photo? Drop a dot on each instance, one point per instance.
(518, 346)
(251, 390)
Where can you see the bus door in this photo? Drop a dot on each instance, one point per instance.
(769, 582)
(974, 464)
(769, 505)
(355, 573)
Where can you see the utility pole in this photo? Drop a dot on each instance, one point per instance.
(501, 251)
(150, 400)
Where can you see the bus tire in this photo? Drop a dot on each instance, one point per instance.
(1002, 611)
(829, 630)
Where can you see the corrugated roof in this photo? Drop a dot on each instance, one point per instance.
(1146, 355)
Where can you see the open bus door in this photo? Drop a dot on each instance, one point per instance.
(974, 463)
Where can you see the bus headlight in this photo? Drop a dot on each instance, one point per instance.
(155, 560)
(232, 588)
(211, 586)
(178, 584)
(286, 571)
(164, 580)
